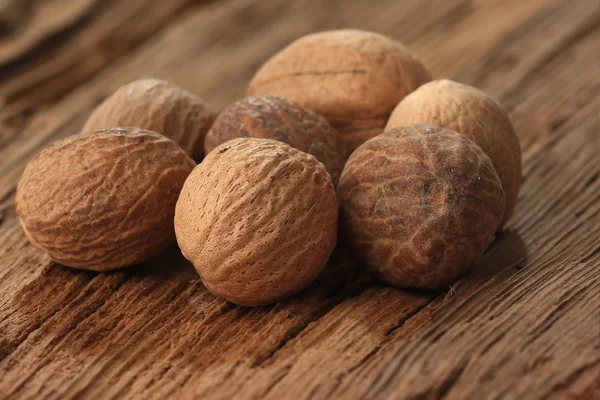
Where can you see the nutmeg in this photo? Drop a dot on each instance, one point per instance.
(103, 200)
(158, 106)
(351, 77)
(271, 117)
(475, 115)
(419, 205)
(258, 219)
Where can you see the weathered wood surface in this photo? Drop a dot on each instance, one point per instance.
(526, 324)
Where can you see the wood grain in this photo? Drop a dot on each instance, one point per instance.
(57, 47)
(525, 324)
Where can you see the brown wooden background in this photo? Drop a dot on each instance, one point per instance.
(526, 324)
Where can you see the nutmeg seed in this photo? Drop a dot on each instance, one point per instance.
(474, 114)
(103, 200)
(258, 219)
(271, 117)
(419, 205)
(351, 77)
(158, 106)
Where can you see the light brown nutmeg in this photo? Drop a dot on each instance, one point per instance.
(474, 114)
(158, 106)
(271, 117)
(419, 205)
(103, 200)
(351, 77)
(258, 219)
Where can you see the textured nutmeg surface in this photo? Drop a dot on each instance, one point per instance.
(419, 205)
(351, 77)
(474, 114)
(271, 117)
(103, 200)
(258, 219)
(158, 106)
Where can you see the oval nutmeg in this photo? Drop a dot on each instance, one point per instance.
(103, 200)
(158, 106)
(419, 205)
(271, 117)
(258, 219)
(351, 77)
(471, 112)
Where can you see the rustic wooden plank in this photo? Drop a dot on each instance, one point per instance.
(154, 331)
(548, 56)
(57, 45)
(27, 23)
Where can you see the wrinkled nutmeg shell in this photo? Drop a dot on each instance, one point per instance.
(103, 200)
(271, 117)
(351, 77)
(469, 111)
(419, 205)
(258, 219)
(158, 106)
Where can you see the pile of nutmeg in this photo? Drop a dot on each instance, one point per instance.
(342, 131)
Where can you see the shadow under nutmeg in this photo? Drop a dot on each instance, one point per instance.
(504, 257)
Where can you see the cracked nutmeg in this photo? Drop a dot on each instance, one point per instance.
(103, 200)
(271, 117)
(471, 112)
(419, 205)
(158, 106)
(351, 77)
(258, 219)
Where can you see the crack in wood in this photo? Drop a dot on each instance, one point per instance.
(595, 252)
(285, 372)
(8, 348)
(448, 382)
(346, 293)
(181, 290)
(571, 378)
(593, 179)
(387, 337)
(57, 340)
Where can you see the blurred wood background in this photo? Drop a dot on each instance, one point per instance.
(526, 324)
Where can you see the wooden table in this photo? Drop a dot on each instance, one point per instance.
(525, 325)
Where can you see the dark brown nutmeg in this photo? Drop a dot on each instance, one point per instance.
(271, 117)
(474, 114)
(420, 205)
